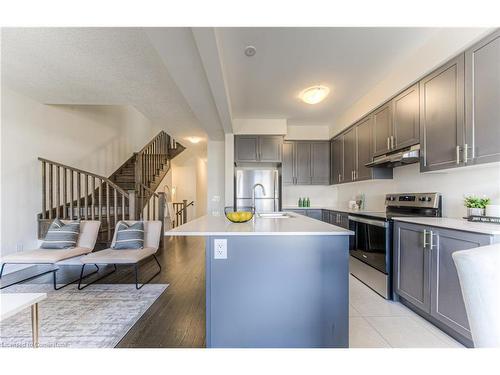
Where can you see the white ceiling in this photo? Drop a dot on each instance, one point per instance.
(348, 60)
(112, 66)
(194, 81)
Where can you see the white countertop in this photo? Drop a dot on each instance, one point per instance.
(12, 303)
(296, 225)
(450, 223)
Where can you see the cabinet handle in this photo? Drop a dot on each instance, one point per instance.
(425, 238)
(340, 177)
(458, 154)
(431, 242)
(388, 144)
(392, 141)
(465, 154)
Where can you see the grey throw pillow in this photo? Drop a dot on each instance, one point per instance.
(129, 236)
(61, 236)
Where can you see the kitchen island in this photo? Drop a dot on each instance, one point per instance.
(274, 282)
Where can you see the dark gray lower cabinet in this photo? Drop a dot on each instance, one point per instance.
(412, 264)
(314, 213)
(425, 275)
(447, 304)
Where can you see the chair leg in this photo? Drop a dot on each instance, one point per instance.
(80, 287)
(74, 281)
(23, 280)
(151, 278)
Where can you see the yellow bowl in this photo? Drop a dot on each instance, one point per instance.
(242, 215)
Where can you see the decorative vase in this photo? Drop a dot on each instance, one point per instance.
(472, 211)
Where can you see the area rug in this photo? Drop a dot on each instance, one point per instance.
(96, 317)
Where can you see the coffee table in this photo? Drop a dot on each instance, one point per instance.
(12, 303)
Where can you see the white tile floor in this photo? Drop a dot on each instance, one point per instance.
(377, 323)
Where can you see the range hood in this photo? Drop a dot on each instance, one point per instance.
(403, 157)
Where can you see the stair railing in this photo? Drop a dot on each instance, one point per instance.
(152, 158)
(66, 192)
(180, 212)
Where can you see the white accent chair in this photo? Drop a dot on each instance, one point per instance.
(89, 230)
(152, 235)
(479, 275)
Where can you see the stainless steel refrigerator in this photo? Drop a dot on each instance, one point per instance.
(265, 201)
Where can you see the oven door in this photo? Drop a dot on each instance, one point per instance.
(371, 243)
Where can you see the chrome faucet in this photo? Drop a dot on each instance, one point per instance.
(253, 192)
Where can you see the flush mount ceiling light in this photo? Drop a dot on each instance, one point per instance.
(314, 94)
(194, 140)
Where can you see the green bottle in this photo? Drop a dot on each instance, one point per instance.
(301, 204)
(308, 202)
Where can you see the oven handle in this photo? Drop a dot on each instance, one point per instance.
(377, 223)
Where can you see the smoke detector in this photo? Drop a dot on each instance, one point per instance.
(250, 51)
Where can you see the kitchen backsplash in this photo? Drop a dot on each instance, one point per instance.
(318, 194)
(453, 184)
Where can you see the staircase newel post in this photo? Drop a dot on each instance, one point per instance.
(162, 201)
(132, 204)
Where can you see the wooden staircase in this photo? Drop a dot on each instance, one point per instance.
(128, 194)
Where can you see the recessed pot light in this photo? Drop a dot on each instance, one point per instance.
(314, 94)
(194, 140)
(250, 51)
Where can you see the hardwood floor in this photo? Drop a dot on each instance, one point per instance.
(177, 318)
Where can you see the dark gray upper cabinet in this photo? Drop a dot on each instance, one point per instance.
(288, 165)
(351, 151)
(320, 163)
(412, 265)
(246, 148)
(406, 118)
(306, 163)
(258, 148)
(482, 102)
(442, 116)
(382, 129)
(350, 155)
(337, 157)
(270, 148)
(303, 163)
(364, 148)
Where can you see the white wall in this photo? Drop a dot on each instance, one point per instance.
(94, 138)
(259, 126)
(229, 170)
(453, 185)
(308, 132)
(189, 181)
(216, 177)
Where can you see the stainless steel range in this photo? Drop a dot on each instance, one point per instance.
(371, 246)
